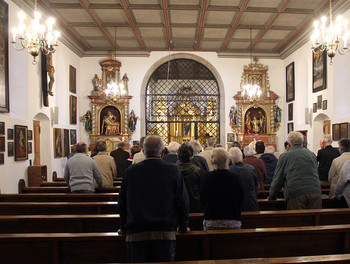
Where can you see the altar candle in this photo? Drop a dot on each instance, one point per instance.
(122, 138)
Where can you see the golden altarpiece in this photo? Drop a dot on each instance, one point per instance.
(261, 115)
(109, 115)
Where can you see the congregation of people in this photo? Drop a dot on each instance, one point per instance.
(161, 186)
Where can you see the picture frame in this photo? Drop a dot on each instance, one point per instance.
(9, 149)
(290, 112)
(4, 61)
(73, 136)
(324, 105)
(319, 70)
(21, 142)
(66, 142)
(344, 130)
(290, 127)
(30, 148)
(72, 79)
(290, 83)
(9, 134)
(30, 135)
(230, 137)
(319, 102)
(73, 110)
(314, 107)
(2, 144)
(58, 143)
(2, 158)
(2, 128)
(335, 132)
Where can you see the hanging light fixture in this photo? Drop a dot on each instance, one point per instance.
(251, 90)
(115, 87)
(331, 39)
(36, 36)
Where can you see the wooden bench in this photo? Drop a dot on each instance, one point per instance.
(264, 194)
(324, 185)
(59, 197)
(196, 245)
(280, 204)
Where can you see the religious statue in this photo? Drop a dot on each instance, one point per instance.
(277, 113)
(110, 124)
(96, 82)
(248, 126)
(187, 127)
(255, 123)
(132, 121)
(233, 116)
(50, 71)
(87, 119)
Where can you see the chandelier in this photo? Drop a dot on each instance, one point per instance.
(115, 87)
(331, 39)
(36, 36)
(251, 90)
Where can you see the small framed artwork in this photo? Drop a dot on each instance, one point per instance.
(319, 70)
(336, 132)
(30, 135)
(230, 137)
(290, 127)
(314, 107)
(10, 149)
(2, 144)
(21, 140)
(290, 112)
(30, 148)
(344, 130)
(58, 144)
(72, 79)
(319, 102)
(9, 134)
(73, 110)
(4, 61)
(290, 88)
(66, 142)
(324, 105)
(2, 158)
(73, 136)
(2, 128)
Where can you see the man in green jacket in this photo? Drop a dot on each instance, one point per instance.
(296, 171)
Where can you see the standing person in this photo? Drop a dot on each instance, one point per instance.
(106, 164)
(259, 149)
(257, 164)
(192, 176)
(221, 195)
(172, 155)
(270, 162)
(325, 156)
(256, 139)
(343, 187)
(248, 178)
(337, 164)
(297, 171)
(133, 151)
(198, 160)
(81, 170)
(207, 152)
(139, 156)
(120, 155)
(150, 217)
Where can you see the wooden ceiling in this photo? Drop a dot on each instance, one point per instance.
(137, 27)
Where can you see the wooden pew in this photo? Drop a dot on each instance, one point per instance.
(196, 245)
(55, 178)
(279, 204)
(59, 197)
(324, 185)
(264, 194)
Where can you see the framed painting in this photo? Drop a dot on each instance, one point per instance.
(319, 102)
(336, 132)
(2, 144)
(290, 112)
(72, 79)
(290, 87)
(324, 105)
(66, 142)
(9, 134)
(319, 70)
(73, 110)
(4, 65)
(30, 147)
(9, 149)
(21, 142)
(290, 127)
(230, 137)
(73, 136)
(30, 135)
(58, 144)
(2, 158)
(2, 128)
(344, 130)
(314, 107)
(327, 127)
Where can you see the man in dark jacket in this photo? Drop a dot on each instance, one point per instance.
(120, 156)
(153, 201)
(270, 162)
(325, 156)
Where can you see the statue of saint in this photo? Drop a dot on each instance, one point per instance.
(233, 116)
(277, 113)
(96, 82)
(255, 123)
(50, 71)
(132, 121)
(248, 127)
(87, 119)
(110, 124)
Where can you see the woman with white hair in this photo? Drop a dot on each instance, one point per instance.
(258, 164)
(221, 195)
(172, 155)
(270, 162)
(198, 160)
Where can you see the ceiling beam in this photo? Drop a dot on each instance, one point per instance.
(201, 22)
(85, 6)
(235, 24)
(305, 25)
(279, 12)
(131, 22)
(166, 23)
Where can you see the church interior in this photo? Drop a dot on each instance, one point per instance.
(186, 70)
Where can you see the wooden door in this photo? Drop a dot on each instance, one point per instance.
(36, 126)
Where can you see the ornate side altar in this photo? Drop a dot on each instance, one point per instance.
(260, 116)
(109, 118)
